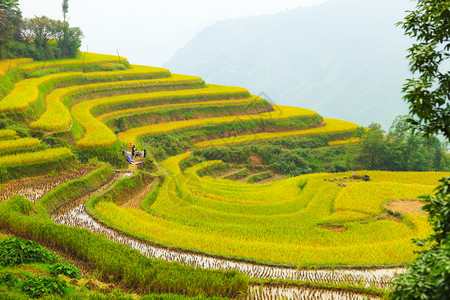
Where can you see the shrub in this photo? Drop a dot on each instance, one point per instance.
(111, 154)
(9, 279)
(14, 251)
(38, 287)
(65, 269)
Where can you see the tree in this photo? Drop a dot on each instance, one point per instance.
(10, 17)
(41, 30)
(71, 41)
(428, 94)
(40, 37)
(65, 9)
(371, 149)
(9, 13)
(428, 97)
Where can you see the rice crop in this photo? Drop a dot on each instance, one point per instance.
(280, 112)
(344, 142)
(84, 58)
(34, 157)
(8, 64)
(133, 111)
(362, 201)
(7, 133)
(98, 134)
(278, 222)
(332, 126)
(26, 91)
(18, 144)
(57, 117)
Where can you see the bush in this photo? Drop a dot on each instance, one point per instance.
(65, 269)
(428, 276)
(14, 251)
(260, 177)
(37, 287)
(9, 279)
(111, 154)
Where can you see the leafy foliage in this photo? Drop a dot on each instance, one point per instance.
(429, 94)
(14, 251)
(65, 269)
(9, 279)
(10, 16)
(429, 99)
(438, 208)
(38, 286)
(429, 275)
(400, 150)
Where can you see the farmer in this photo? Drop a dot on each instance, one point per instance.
(144, 153)
(133, 151)
(354, 174)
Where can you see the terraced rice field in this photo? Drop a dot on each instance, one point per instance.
(276, 229)
(332, 126)
(9, 64)
(77, 216)
(34, 188)
(85, 58)
(170, 91)
(278, 222)
(7, 133)
(34, 157)
(379, 278)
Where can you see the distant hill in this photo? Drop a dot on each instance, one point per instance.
(345, 59)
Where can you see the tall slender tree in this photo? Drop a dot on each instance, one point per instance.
(65, 9)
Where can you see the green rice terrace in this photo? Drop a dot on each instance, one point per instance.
(213, 208)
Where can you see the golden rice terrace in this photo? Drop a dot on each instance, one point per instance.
(66, 131)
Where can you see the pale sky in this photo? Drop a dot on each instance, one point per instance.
(150, 32)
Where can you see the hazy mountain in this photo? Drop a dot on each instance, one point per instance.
(345, 59)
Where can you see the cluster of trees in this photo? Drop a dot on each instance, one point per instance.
(40, 38)
(398, 150)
